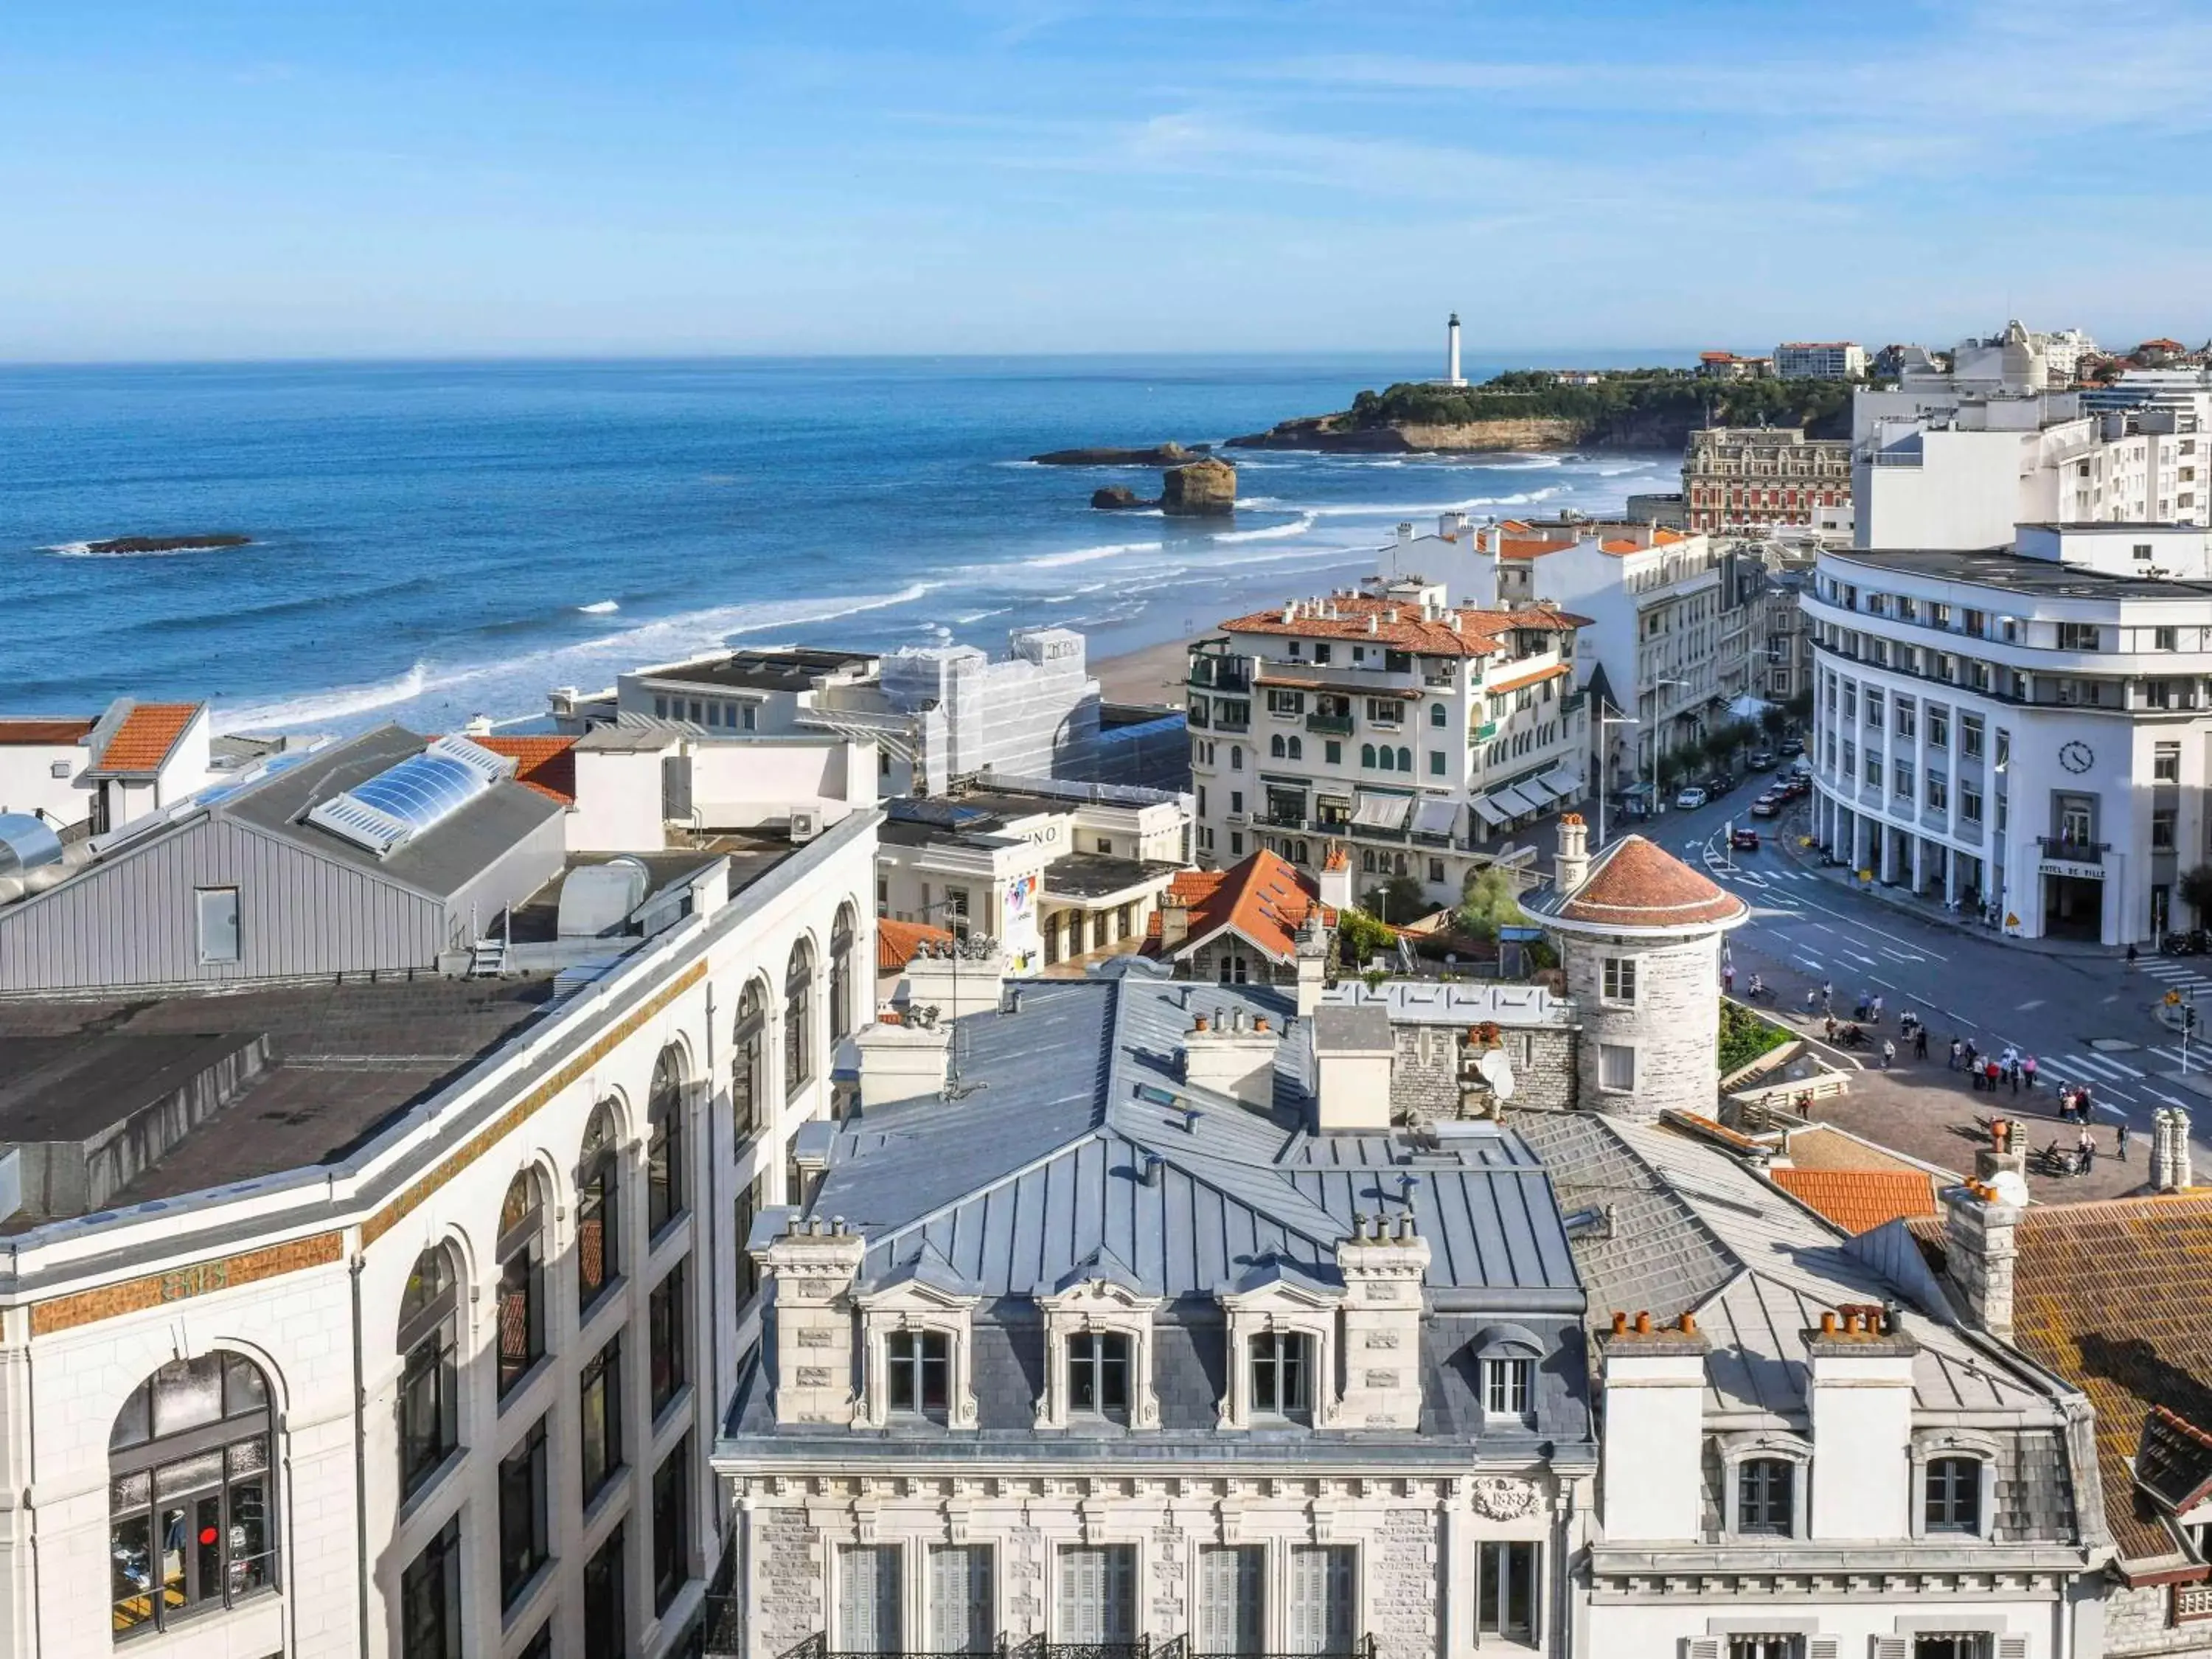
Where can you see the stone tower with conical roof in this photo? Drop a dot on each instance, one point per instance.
(1638, 933)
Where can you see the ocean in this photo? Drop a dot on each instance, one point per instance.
(432, 541)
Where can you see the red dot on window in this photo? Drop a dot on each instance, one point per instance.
(207, 1534)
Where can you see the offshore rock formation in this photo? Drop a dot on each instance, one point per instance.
(1115, 496)
(1203, 489)
(1338, 434)
(1168, 454)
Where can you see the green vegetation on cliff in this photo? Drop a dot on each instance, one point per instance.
(1620, 406)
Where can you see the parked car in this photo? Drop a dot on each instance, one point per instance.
(1691, 798)
(1793, 745)
(1719, 784)
(1743, 841)
(1768, 804)
(1761, 761)
(1800, 768)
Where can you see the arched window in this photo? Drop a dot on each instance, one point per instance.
(1437, 714)
(1405, 760)
(1367, 859)
(1277, 747)
(667, 1179)
(429, 1337)
(1297, 748)
(192, 1503)
(1236, 757)
(521, 1249)
(841, 974)
(1367, 754)
(598, 1209)
(797, 1018)
(748, 1058)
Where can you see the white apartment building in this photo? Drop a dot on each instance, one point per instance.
(1820, 360)
(398, 1318)
(2022, 727)
(1412, 729)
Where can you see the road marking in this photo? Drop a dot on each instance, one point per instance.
(1823, 926)
(2025, 1006)
(1884, 983)
(1855, 956)
(2098, 1066)
(1900, 956)
(2161, 1095)
(1808, 962)
(1871, 928)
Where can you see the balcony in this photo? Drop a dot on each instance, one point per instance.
(2072, 851)
(724, 1629)
(1283, 821)
(1329, 725)
(1368, 679)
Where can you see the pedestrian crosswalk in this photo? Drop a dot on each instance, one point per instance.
(2177, 975)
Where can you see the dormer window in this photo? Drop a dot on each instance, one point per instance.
(1954, 1495)
(1282, 1375)
(918, 1370)
(1766, 1497)
(1507, 1386)
(1098, 1373)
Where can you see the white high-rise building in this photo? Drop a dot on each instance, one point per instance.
(2023, 727)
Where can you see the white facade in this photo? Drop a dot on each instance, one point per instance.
(1390, 719)
(2026, 730)
(302, 1274)
(1820, 360)
(42, 766)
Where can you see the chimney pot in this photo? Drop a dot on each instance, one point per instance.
(1827, 1323)
(1643, 1322)
(1689, 1322)
(1199, 1024)
(1261, 1024)
(1619, 1322)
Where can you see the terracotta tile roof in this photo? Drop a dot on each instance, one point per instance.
(44, 731)
(1348, 615)
(897, 943)
(1859, 1200)
(1264, 899)
(2174, 1460)
(545, 764)
(1635, 883)
(146, 735)
(1536, 677)
(2110, 1295)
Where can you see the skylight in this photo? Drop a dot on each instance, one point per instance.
(420, 791)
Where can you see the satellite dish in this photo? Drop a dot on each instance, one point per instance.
(1497, 1072)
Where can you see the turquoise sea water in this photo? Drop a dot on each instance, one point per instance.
(434, 540)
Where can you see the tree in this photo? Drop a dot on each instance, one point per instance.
(1490, 900)
(2195, 889)
(1773, 722)
(1800, 707)
(1399, 900)
(1360, 937)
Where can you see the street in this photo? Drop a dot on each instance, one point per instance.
(1805, 929)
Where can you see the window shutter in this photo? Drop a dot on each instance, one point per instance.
(1823, 1647)
(1892, 1647)
(1229, 1600)
(2012, 1647)
(960, 1599)
(868, 1600)
(1701, 1647)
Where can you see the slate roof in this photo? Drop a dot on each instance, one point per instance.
(1039, 1164)
(1693, 1230)
(2110, 1294)
(145, 737)
(1859, 1200)
(1636, 883)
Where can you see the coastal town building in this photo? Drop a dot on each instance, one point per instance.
(1159, 1333)
(1668, 508)
(1263, 921)
(1054, 871)
(1727, 365)
(936, 713)
(1743, 477)
(1407, 727)
(2023, 729)
(1820, 360)
(98, 773)
(1953, 458)
(395, 1314)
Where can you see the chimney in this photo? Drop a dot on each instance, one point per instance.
(1405, 531)
(1859, 1394)
(1230, 1058)
(967, 979)
(811, 1267)
(1382, 1305)
(905, 1061)
(1570, 868)
(1334, 888)
(1352, 1049)
(1312, 965)
(1175, 921)
(1652, 1452)
(1979, 1247)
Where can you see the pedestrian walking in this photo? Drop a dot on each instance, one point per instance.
(1812, 999)
(2014, 1073)
(2123, 1140)
(1989, 1074)
(2028, 1070)
(2085, 1104)
(2089, 1146)
(1727, 980)
(1920, 1043)
(1876, 1006)
(1957, 1050)
(1832, 1027)
(1888, 1054)
(2131, 958)
(1827, 996)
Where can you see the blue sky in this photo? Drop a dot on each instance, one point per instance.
(229, 179)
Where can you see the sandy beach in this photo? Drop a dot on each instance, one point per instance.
(1154, 673)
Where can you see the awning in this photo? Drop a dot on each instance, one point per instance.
(1564, 783)
(1537, 790)
(1435, 816)
(1380, 812)
(1749, 706)
(1513, 803)
(1487, 809)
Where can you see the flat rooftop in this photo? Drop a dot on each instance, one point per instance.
(1998, 568)
(749, 858)
(342, 1061)
(792, 670)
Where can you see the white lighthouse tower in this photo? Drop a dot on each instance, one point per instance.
(1452, 376)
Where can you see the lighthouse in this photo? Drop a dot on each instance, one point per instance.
(1452, 376)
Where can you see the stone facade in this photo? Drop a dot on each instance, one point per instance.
(1671, 1022)
(1429, 1077)
(2140, 1622)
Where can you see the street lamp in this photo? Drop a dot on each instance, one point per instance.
(1655, 790)
(1604, 765)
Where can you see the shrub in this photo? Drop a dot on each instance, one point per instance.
(1360, 936)
(1490, 900)
(1745, 1037)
